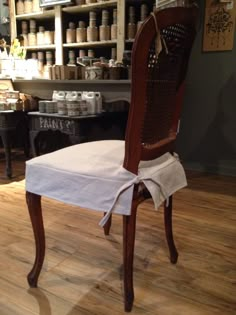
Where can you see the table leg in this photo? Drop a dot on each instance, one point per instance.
(33, 134)
(26, 143)
(7, 148)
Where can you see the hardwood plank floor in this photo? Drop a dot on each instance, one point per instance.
(82, 273)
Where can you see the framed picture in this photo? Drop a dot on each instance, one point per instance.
(219, 25)
(50, 3)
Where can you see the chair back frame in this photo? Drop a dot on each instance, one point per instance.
(175, 25)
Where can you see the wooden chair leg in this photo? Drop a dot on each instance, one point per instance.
(35, 212)
(169, 232)
(107, 226)
(129, 227)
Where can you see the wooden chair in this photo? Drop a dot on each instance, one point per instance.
(160, 57)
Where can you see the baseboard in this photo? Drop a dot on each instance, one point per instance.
(220, 168)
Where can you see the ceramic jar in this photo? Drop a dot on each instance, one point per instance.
(24, 27)
(48, 37)
(40, 36)
(82, 53)
(35, 6)
(20, 7)
(40, 55)
(114, 26)
(70, 33)
(91, 53)
(104, 29)
(143, 14)
(131, 27)
(113, 53)
(71, 57)
(81, 32)
(32, 41)
(49, 58)
(32, 26)
(92, 30)
(28, 6)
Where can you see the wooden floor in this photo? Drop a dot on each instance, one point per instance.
(82, 274)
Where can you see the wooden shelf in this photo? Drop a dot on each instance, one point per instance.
(44, 14)
(89, 7)
(129, 41)
(41, 47)
(85, 82)
(107, 43)
(112, 90)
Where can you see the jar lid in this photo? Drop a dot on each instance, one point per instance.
(81, 24)
(41, 28)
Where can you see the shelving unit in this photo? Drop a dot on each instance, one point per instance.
(59, 16)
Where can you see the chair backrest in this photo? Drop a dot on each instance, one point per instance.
(157, 83)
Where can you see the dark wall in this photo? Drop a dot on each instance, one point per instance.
(207, 139)
(4, 15)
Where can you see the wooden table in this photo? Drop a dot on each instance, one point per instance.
(10, 121)
(77, 129)
(49, 132)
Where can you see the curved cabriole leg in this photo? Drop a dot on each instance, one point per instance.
(107, 226)
(35, 212)
(169, 232)
(129, 226)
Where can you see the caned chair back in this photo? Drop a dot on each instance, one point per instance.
(160, 59)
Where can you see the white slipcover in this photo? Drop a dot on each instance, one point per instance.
(91, 176)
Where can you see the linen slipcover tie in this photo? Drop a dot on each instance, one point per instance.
(159, 38)
(127, 185)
